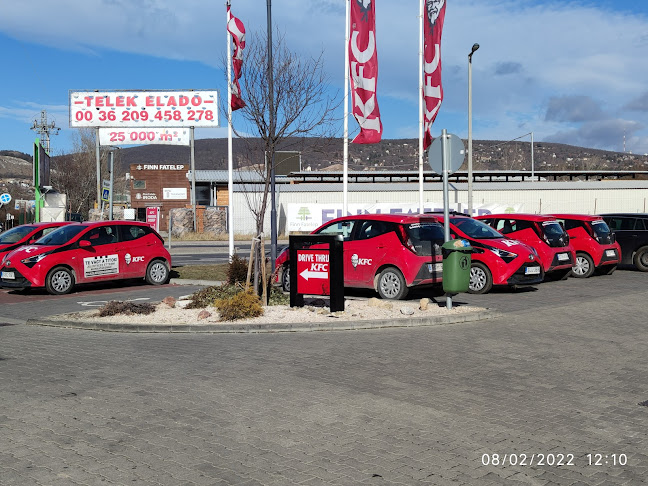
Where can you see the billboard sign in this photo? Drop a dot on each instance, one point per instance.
(41, 166)
(144, 136)
(121, 109)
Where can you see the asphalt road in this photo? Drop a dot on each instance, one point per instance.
(553, 392)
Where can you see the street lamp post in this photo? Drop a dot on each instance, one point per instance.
(470, 167)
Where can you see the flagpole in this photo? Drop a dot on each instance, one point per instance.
(421, 106)
(230, 164)
(345, 162)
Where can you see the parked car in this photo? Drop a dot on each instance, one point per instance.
(24, 234)
(496, 259)
(595, 246)
(631, 232)
(88, 252)
(389, 253)
(542, 232)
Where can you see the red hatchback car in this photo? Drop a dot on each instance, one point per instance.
(496, 259)
(88, 252)
(389, 253)
(595, 245)
(542, 232)
(25, 234)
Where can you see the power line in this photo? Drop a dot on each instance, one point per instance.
(44, 128)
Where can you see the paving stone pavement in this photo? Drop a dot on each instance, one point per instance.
(561, 375)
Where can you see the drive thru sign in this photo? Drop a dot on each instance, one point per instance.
(313, 272)
(316, 269)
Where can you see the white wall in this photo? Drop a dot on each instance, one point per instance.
(594, 197)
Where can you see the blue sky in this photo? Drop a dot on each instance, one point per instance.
(570, 72)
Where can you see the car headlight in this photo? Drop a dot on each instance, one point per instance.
(31, 261)
(507, 256)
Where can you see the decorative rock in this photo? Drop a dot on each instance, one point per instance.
(203, 314)
(169, 301)
(424, 304)
(383, 304)
(408, 311)
(181, 304)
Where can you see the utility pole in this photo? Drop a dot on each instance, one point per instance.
(44, 128)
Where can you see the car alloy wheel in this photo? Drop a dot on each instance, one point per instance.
(59, 281)
(391, 284)
(481, 280)
(157, 273)
(584, 266)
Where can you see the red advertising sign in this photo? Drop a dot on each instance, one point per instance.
(313, 272)
(363, 65)
(153, 218)
(432, 90)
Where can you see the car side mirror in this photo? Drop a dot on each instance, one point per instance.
(84, 244)
(613, 237)
(31, 242)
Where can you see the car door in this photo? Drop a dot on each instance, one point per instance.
(99, 261)
(133, 250)
(345, 229)
(368, 249)
(627, 231)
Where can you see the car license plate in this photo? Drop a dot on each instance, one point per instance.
(532, 270)
(610, 253)
(8, 275)
(563, 256)
(435, 267)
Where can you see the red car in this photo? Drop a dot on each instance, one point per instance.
(389, 253)
(25, 234)
(496, 259)
(542, 232)
(88, 252)
(595, 245)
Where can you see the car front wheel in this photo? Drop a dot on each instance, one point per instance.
(641, 259)
(59, 281)
(481, 279)
(157, 272)
(391, 284)
(584, 266)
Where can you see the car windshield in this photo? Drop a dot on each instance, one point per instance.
(61, 235)
(476, 229)
(16, 234)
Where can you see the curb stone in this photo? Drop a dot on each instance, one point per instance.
(253, 328)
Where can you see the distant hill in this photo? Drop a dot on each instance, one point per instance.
(394, 154)
(318, 154)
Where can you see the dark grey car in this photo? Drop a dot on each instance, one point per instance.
(631, 230)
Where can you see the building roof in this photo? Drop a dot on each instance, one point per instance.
(239, 176)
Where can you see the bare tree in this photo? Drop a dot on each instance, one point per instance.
(303, 106)
(75, 174)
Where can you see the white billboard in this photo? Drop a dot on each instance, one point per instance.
(144, 136)
(121, 109)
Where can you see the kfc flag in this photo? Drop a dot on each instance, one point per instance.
(237, 29)
(432, 90)
(363, 64)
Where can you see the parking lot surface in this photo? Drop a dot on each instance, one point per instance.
(534, 397)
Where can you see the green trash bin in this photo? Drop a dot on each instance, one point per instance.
(456, 266)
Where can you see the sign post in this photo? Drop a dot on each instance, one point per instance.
(446, 154)
(316, 268)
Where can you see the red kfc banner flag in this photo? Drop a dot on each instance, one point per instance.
(363, 64)
(237, 29)
(432, 89)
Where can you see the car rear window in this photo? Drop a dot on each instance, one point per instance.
(427, 238)
(553, 232)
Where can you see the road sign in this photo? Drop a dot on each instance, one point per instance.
(313, 272)
(5, 198)
(456, 157)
